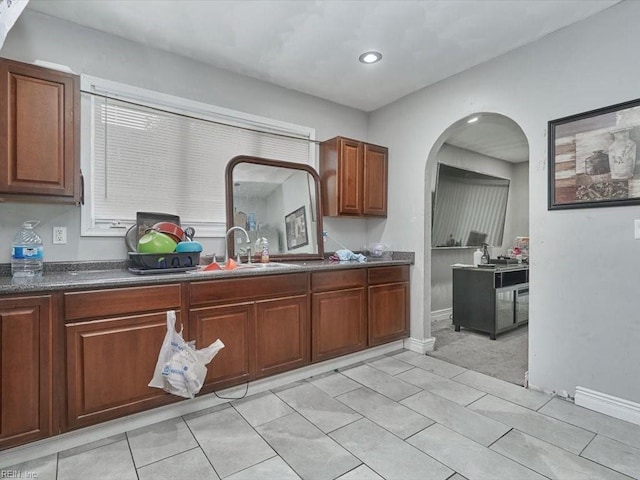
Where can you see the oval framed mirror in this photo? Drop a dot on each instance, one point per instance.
(277, 201)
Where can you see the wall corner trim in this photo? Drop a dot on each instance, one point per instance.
(608, 405)
(420, 346)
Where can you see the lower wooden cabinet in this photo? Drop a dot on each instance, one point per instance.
(106, 343)
(113, 338)
(109, 365)
(388, 304)
(338, 313)
(234, 326)
(281, 335)
(27, 410)
(263, 322)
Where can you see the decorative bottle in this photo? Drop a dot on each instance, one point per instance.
(484, 259)
(597, 163)
(622, 155)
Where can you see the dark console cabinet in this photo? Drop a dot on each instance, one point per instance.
(491, 300)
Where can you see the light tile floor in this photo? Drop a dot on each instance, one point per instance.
(402, 416)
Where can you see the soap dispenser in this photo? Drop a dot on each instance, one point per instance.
(477, 257)
(264, 256)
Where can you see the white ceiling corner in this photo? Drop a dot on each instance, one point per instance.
(312, 46)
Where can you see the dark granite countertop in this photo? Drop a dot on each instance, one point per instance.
(493, 268)
(82, 275)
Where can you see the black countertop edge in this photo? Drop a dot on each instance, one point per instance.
(86, 274)
(80, 265)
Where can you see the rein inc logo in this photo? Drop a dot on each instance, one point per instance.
(17, 474)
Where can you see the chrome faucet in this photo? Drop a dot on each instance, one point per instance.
(226, 256)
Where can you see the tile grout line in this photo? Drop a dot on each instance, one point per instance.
(597, 462)
(133, 460)
(277, 454)
(517, 461)
(199, 445)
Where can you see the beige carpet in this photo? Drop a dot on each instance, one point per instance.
(504, 358)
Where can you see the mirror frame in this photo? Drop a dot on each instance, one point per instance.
(282, 164)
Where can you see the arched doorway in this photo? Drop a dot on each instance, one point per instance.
(492, 145)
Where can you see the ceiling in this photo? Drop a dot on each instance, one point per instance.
(313, 46)
(493, 135)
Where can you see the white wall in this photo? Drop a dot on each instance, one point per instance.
(516, 218)
(37, 36)
(584, 325)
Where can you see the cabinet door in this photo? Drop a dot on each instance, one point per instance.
(281, 335)
(388, 312)
(39, 133)
(375, 180)
(26, 370)
(110, 363)
(351, 168)
(233, 326)
(339, 324)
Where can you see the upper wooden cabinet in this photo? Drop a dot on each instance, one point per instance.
(39, 134)
(353, 177)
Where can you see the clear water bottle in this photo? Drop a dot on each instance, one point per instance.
(26, 251)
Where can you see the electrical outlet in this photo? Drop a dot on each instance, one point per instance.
(60, 235)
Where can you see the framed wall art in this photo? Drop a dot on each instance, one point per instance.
(593, 158)
(296, 229)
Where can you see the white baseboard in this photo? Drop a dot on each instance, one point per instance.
(118, 426)
(420, 346)
(608, 404)
(444, 314)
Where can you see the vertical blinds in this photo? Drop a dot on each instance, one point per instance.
(146, 159)
(465, 207)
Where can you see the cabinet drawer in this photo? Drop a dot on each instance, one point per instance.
(388, 274)
(233, 289)
(323, 281)
(98, 303)
(511, 277)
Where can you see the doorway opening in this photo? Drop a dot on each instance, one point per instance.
(489, 158)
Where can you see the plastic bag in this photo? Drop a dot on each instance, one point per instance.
(181, 368)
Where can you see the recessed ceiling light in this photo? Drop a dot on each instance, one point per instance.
(473, 119)
(370, 57)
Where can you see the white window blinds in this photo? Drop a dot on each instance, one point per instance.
(155, 160)
(469, 206)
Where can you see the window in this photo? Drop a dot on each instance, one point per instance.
(150, 152)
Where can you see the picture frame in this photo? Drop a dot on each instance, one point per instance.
(592, 158)
(296, 229)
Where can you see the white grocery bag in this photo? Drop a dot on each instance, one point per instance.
(181, 368)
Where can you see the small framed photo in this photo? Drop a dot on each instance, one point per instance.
(296, 229)
(593, 158)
